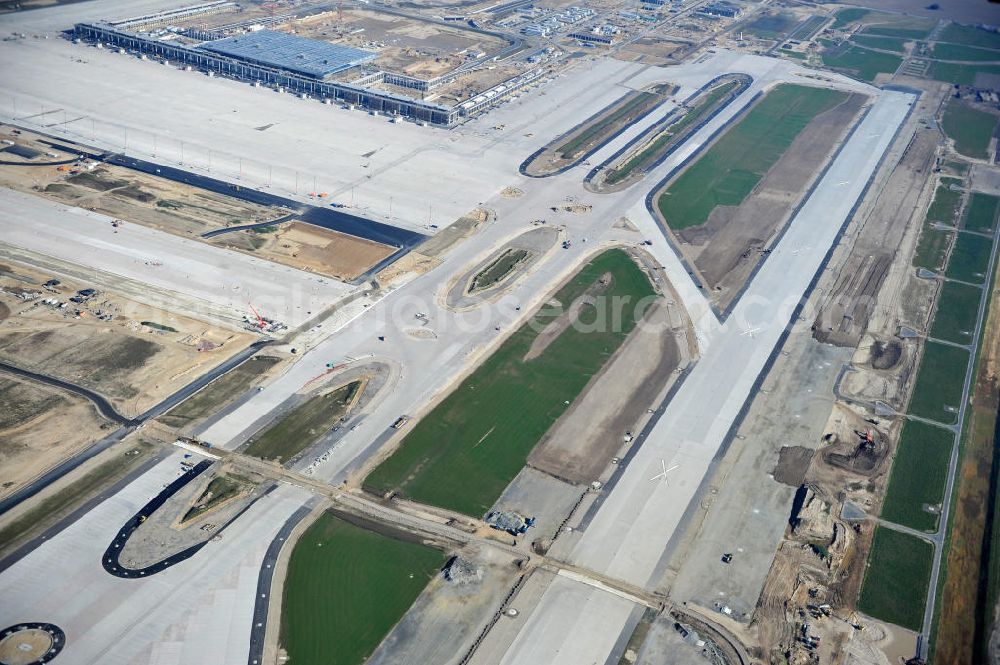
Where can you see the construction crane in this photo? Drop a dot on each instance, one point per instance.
(261, 323)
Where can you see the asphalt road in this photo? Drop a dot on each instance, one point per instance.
(103, 405)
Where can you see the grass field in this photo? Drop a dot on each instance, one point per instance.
(970, 258)
(972, 562)
(964, 53)
(217, 394)
(864, 63)
(897, 577)
(955, 318)
(652, 152)
(981, 212)
(939, 383)
(969, 35)
(894, 44)
(954, 73)
(944, 207)
(932, 248)
(465, 452)
(969, 128)
(346, 588)
(729, 170)
(492, 274)
(304, 425)
(919, 471)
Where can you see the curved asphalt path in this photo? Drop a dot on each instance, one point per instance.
(127, 427)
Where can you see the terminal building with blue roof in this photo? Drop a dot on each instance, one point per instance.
(308, 57)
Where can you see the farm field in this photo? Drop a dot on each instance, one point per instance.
(938, 389)
(971, 129)
(864, 63)
(345, 589)
(981, 212)
(958, 306)
(919, 471)
(304, 424)
(969, 36)
(965, 74)
(944, 208)
(464, 452)
(970, 258)
(964, 53)
(894, 44)
(899, 571)
(755, 144)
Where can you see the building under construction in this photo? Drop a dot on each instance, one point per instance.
(250, 50)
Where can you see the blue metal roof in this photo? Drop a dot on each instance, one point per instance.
(311, 57)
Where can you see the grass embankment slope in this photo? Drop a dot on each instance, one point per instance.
(733, 166)
(464, 453)
(304, 425)
(346, 588)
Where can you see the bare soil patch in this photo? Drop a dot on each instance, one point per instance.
(793, 462)
(39, 427)
(885, 355)
(104, 343)
(309, 247)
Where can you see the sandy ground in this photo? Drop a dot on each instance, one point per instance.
(728, 247)
(845, 315)
(103, 344)
(311, 248)
(41, 427)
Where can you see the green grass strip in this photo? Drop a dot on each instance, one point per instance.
(919, 472)
(896, 581)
